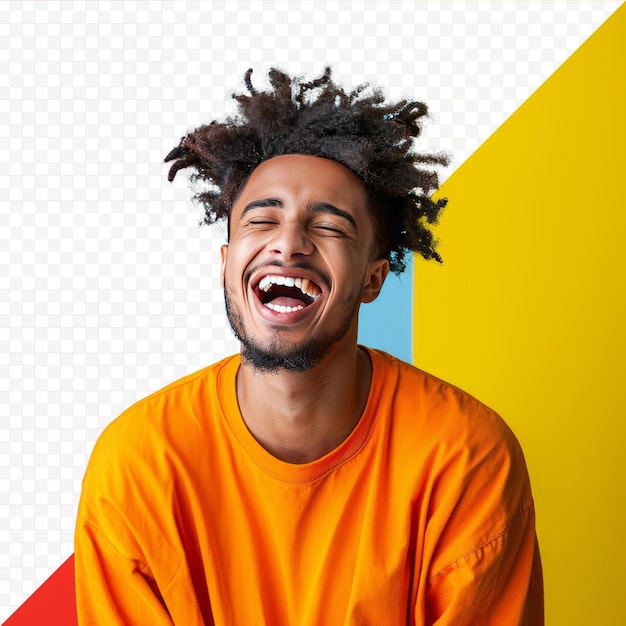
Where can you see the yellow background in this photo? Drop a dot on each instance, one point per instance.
(528, 313)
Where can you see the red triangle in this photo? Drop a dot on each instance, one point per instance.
(53, 604)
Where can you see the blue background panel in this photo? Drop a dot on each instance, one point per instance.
(387, 323)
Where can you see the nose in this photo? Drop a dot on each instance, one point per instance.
(290, 240)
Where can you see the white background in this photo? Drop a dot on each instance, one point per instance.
(108, 287)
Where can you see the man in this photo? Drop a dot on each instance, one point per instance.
(309, 481)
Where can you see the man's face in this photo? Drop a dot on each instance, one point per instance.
(299, 262)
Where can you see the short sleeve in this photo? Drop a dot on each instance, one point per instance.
(113, 585)
(499, 583)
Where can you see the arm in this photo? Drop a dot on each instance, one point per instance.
(499, 583)
(481, 547)
(113, 585)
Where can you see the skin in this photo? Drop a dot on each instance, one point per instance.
(307, 217)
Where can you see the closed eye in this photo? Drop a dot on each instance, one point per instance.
(261, 222)
(330, 228)
(326, 209)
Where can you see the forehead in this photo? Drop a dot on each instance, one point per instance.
(304, 177)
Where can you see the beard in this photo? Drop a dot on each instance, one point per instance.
(277, 356)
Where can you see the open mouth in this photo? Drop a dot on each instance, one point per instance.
(287, 294)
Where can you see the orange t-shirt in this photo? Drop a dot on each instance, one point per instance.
(423, 515)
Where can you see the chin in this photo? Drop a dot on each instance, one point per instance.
(287, 357)
(299, 359)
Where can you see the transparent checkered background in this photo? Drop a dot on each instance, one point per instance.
(108, 287)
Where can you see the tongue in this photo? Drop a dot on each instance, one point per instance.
(286, 301)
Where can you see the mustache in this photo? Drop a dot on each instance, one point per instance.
(300, 265)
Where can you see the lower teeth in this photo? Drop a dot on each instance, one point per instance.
(283, 309)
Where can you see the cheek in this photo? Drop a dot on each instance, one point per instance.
(227, 276)
(349, 277)
(233, 271)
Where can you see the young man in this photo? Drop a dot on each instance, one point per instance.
(309, 481)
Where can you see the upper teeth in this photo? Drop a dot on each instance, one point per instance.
(303, 284)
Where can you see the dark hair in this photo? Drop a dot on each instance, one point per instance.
(372, 138)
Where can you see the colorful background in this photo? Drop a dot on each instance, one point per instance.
(109, 290)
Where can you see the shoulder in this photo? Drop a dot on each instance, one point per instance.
(434, 406)
(463, 446)
(166, 419)
(469, 467)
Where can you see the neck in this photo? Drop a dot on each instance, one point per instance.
(300, 417)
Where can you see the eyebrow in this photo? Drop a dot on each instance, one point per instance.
(325, 207)
(316, 207)
(262, 204)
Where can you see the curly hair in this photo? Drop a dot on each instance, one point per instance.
(372, 138)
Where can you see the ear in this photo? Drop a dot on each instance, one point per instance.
(376, 273)
(223, 253)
